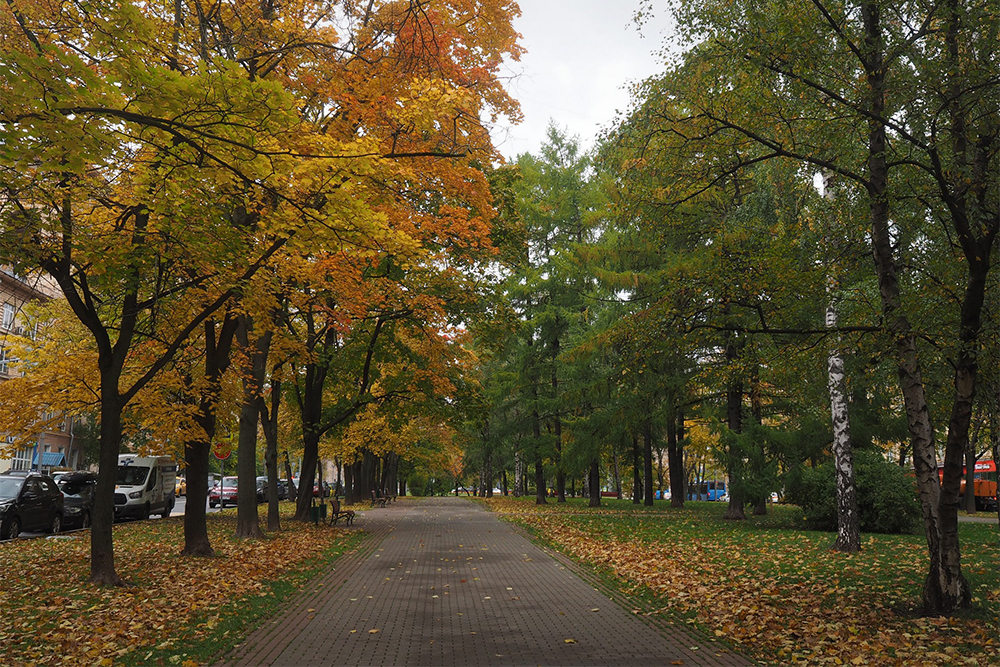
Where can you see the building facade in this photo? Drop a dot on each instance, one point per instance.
(48, 449)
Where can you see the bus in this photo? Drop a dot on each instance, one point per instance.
(984, 481)
(711, 489)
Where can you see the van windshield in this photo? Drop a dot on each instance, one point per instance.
(132, 475)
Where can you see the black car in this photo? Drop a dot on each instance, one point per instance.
(29, 503)
(262, 489)
(78, 498)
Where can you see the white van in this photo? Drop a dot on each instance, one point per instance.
(145, 486)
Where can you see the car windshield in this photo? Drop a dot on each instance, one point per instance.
(75, 488)
(230, 481)
(10, 486)
(132, 475)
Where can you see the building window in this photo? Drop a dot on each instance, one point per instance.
(8, 316)
(22, 459)
(4, 359)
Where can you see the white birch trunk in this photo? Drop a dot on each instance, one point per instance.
(518, 474)
(848, 522)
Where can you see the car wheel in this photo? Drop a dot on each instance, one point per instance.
(85, 521)
(145, 512)
(14, 528)
(56, 524)
(212, 504)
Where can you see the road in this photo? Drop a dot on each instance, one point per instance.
(179, 505)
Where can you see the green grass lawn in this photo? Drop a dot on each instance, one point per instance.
(775, 590)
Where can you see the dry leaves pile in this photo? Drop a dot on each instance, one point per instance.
(783, 599)
(52, 616)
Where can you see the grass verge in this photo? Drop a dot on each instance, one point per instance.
(775, 590)
(178, 610)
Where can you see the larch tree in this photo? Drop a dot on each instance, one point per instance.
(901, 102)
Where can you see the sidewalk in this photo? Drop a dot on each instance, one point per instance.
(443, 582)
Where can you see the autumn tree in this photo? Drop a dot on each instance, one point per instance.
(160, 155)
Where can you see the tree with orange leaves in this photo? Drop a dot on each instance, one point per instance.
(155, 160)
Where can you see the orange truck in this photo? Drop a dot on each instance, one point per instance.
(984, 484)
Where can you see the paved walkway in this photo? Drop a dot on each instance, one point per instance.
(444, 582)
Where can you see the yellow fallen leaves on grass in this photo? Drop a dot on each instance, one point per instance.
(787, 615)
(52, 615)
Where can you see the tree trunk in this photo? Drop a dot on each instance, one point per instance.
(539, 467)
(647, 459)
(539, 481)
(996, 461)
(102, 556)
(293, 491)
(350, 495)
(659, 469)
(391, 468)
(310, 414)
(969, 498)
(247, 515)
(557, 427)
(734, 420)
(269, 425)
(196, 457)
(218, 345)
(675, 460)
(594, 483)
(307, 476)
(636, 471)
(848, 523)
(369, 473)
(945, 588)
(616, 471)
(518, 475)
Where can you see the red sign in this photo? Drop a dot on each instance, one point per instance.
(222, 450)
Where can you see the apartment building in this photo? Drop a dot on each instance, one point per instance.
(47, 449)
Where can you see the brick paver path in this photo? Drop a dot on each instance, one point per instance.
(444, 582)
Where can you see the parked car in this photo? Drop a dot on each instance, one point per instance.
(29, 503)
(282, 490)
(56, 475)
(262, 489)
(181, 487)
(78, 497)
(224, 493)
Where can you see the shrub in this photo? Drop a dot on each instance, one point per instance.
(887, 500)
(417, 484)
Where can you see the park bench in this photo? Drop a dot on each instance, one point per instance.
(378, 499)
(336, 513)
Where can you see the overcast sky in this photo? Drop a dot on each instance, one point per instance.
(581, 56)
